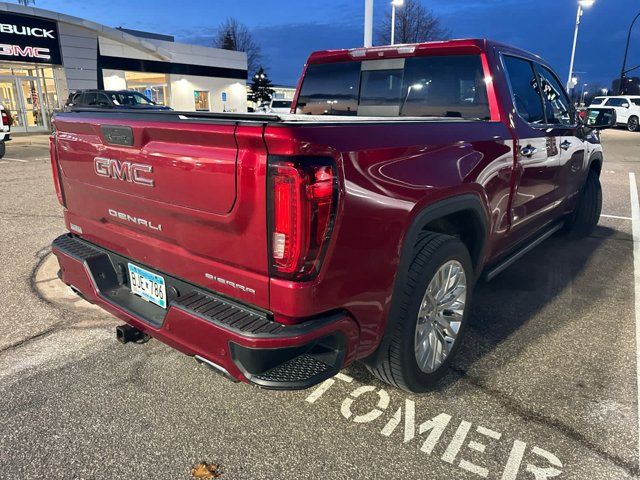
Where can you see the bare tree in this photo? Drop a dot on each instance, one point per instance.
(233, 35)
(414, 24)
(27, 2)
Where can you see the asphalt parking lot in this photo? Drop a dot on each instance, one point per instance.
(546, 386)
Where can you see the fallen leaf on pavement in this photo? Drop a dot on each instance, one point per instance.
(206, 471)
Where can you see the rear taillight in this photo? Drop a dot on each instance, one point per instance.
(5, 118)
(303, 200)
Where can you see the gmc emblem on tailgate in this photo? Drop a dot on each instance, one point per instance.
(124, 171)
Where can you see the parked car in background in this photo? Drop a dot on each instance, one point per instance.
(276, 105)
(5, 129)
(280, 105)
(118, 99)
(278, 249)
(627, 109)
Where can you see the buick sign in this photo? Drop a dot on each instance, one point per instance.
(29, 39)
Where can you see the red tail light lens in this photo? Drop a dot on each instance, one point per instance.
(304, 194)
(5, 118)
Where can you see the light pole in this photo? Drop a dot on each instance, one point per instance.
(368, 23)
(626, 51)
(582, 4)
(583, 95)
(394, 4)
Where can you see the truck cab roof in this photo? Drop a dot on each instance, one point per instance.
(462, 46)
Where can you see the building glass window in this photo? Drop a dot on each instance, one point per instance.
(154, 86)
(201, 98)
(30, 94)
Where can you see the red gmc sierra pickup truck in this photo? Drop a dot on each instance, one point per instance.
(279, 249)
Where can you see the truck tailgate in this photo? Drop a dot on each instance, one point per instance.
(185, 197)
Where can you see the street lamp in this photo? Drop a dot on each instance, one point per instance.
(582, 4)
(394, 4)
(626, 52)
(584, 94)
(368, 23)
(416, 87)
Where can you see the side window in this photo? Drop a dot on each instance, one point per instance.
(614, 102)
(524, 88)
(103, 100)
(556, 103)
(89, 99)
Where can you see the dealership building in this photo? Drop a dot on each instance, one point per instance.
(44, 55)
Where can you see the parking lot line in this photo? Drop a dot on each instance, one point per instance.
(635, 227)
(615, 216)
(16, 160)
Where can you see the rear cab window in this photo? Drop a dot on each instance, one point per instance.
(450, 86)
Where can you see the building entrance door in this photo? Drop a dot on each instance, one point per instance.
(22, 97)
(10, 99)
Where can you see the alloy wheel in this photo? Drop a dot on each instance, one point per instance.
(440, 316)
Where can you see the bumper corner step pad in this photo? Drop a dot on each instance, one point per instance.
(300, 369)
(75, 248)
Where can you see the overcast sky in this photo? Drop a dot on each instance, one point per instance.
(288, 30)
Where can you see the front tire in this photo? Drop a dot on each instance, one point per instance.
(633, 125)
(585, 217)
(432, 314)
(3, 149)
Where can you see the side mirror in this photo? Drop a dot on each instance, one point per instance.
(600, 118)
(626, 105)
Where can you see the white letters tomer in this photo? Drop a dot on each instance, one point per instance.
(477, 439)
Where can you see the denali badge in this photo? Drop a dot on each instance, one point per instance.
(137, 220)
(125, 171)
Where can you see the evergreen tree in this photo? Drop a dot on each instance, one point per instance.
(261, 87)
(228, 42)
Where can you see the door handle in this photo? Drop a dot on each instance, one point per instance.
(566, 145)
(528, 151)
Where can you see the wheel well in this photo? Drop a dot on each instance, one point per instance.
(464, 225)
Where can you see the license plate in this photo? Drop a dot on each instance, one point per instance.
(148, 285)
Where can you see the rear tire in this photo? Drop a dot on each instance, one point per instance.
(429, 325)
(3, 149)
(633, 125)
(585, 217)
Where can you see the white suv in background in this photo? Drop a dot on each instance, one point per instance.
(627, 109)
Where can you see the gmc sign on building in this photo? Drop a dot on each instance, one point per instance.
(29, 39)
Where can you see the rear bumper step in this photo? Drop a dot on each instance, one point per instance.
(243, 342)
